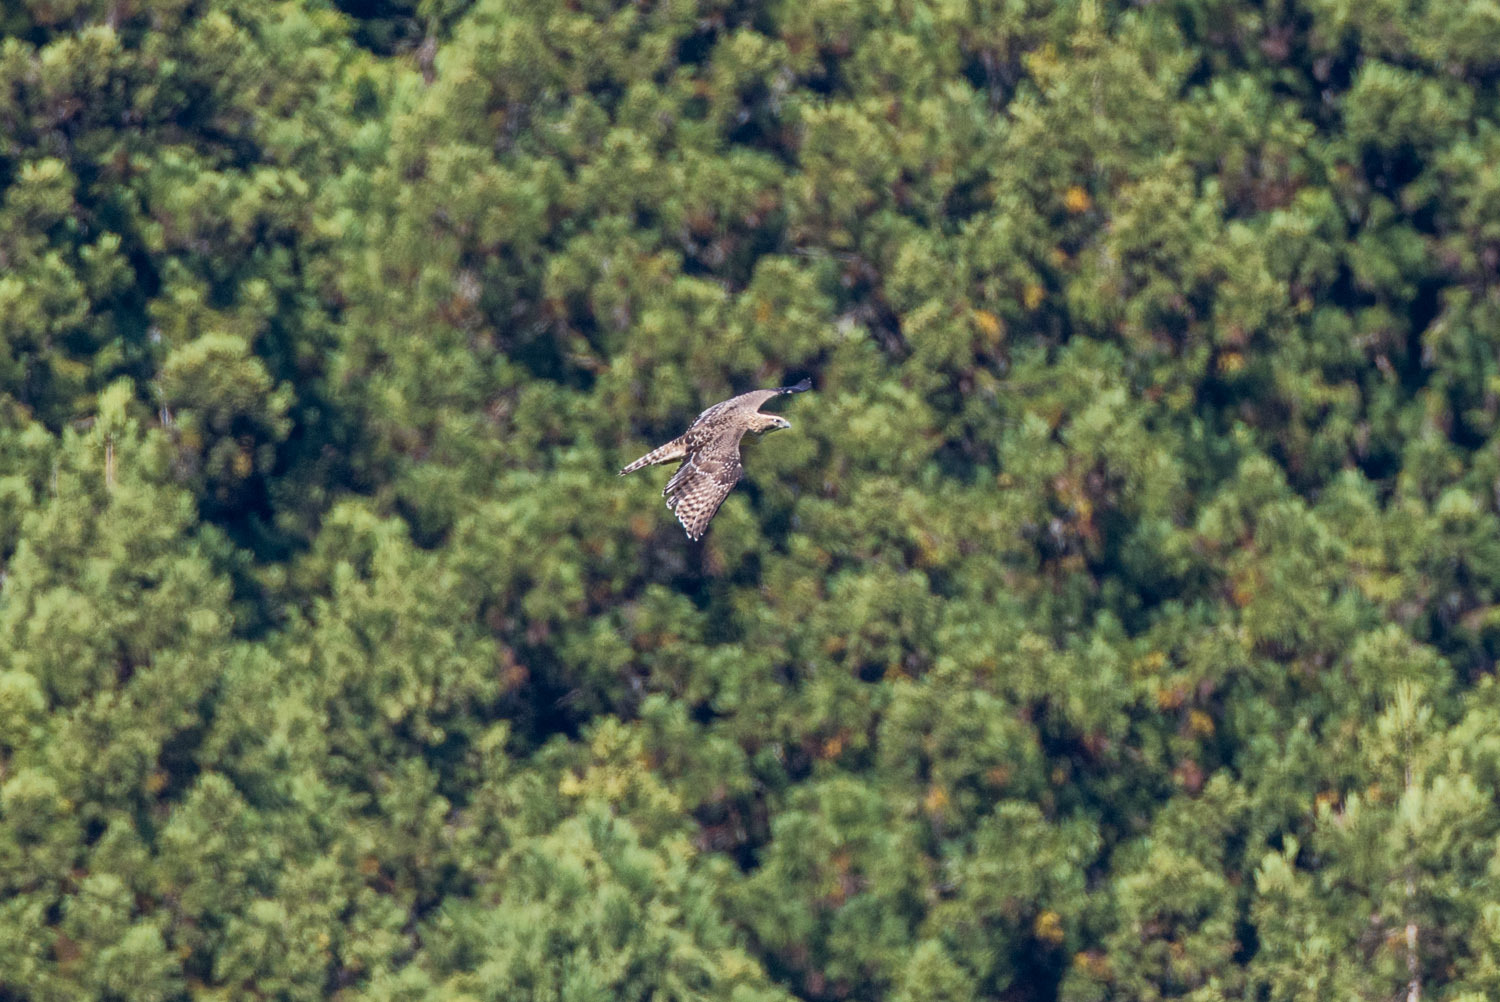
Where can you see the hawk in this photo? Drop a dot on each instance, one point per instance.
(710, 454)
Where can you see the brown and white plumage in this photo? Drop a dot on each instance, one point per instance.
(710, 454)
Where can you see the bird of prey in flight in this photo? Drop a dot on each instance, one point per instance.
(710, 454)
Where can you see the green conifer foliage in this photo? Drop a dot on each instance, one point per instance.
(1115, 622)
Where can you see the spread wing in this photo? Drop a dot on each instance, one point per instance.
(753, 400)
(702, 482)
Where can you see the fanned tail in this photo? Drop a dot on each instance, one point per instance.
(662, 454)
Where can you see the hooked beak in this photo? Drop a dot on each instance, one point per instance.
(778, 424)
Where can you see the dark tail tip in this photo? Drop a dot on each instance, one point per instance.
(806, 384)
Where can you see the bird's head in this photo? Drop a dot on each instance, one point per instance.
(770, 422)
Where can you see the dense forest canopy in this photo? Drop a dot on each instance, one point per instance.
(1117, 622)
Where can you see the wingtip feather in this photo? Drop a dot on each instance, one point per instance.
(803, 385)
